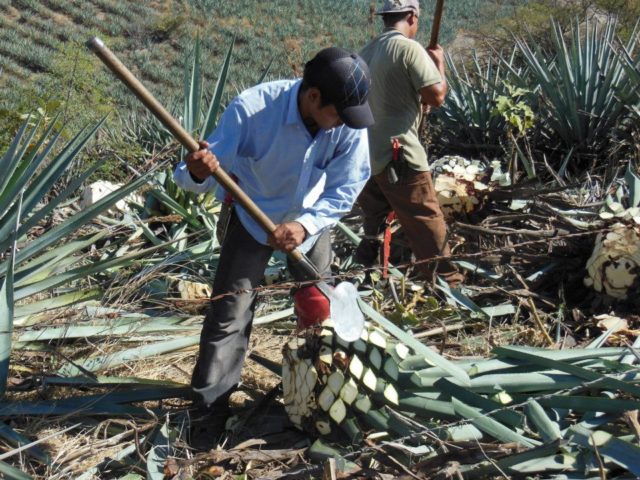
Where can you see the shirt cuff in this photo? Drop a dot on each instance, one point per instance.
(195, 179)
(309, 223)
(184, 180)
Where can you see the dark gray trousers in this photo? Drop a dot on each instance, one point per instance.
(227, 326)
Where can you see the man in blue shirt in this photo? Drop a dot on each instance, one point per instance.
(299, 149)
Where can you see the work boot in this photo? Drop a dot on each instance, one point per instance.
(367, 252)
(208, 425)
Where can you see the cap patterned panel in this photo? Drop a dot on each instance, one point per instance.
(357, 87)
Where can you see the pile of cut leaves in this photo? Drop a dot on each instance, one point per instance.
(522, 412)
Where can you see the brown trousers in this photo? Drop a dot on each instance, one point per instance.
(413, 198)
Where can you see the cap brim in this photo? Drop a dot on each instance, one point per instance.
(358, 116)
(399, 10)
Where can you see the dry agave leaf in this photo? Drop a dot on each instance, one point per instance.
(607, 322)
(171, 468)
(619, 325)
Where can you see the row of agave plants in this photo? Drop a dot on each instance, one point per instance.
(579, 98)
(570, 106)
(353, 389)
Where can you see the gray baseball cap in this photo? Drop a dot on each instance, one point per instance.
(399, 6)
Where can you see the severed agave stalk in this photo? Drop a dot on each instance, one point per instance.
(461, 185)
(327, 382)
(614, 265)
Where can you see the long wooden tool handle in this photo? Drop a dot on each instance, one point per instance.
(123, 73)
(435, 28)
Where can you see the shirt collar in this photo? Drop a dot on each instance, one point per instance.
(293, 112)
(391, 30)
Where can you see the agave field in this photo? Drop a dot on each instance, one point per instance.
(530, 370)
(43, 62)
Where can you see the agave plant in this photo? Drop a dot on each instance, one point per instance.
(22, 203)
(467, 117)
(190, 218)
(581, 84)
(194, 231)
(44, 261)
(633, 71)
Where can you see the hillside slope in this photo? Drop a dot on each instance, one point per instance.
(43, 61)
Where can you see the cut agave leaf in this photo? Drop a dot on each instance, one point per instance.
(619, 451)
(274, 367)
(11, 473)
(548, 430)
(66, 333)
(591, 376)
(16, 440)
(457, 297)
(418, 347)
(104, 362)
(101, 381)
(507, 417)
(111, 403)
(512, 463)
(491, 426)
(94, 472)
(585, 404)
(320, 451)
(161, 449)
(60, 301)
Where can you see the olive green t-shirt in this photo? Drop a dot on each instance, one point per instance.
(399, 67)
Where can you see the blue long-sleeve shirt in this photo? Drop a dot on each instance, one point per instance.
(289, 174)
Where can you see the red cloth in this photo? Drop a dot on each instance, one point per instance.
(311, 306)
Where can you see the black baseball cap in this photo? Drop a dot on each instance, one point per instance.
(343, 79)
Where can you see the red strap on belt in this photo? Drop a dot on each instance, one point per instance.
(395, 149)
(386, 244)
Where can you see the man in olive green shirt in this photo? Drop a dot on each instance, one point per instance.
(405, 78)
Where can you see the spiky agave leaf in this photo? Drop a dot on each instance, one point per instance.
(582, 82)
(6, 319)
